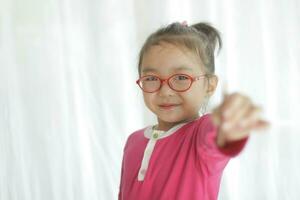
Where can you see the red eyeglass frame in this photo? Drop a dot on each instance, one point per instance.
(193, 79)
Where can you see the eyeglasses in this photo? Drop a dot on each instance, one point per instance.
(177, 82)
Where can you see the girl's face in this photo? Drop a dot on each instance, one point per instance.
(165, 60)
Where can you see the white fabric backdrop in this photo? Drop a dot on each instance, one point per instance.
(69, 100)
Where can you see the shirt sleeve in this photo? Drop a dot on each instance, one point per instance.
(208, 151)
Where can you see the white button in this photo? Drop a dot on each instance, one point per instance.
(155, 135)
(143, 171)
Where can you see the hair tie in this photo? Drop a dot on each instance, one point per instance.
(184, 23)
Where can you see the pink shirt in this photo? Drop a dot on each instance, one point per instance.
(183, 163)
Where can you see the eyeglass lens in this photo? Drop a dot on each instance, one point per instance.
(177, 82)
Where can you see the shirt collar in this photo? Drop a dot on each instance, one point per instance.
(158, 134)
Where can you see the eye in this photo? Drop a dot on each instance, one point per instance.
(181, 77)
(150, 78)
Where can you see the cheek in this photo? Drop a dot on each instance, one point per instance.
(148, 99)
(195, 98)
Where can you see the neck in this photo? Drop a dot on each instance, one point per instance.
(165, 126)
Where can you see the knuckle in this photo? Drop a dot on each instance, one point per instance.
(235, 95)
(230, 136)
(247, 98)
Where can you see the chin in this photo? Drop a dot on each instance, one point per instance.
(170, 119)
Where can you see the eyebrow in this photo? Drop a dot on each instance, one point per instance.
(180, 68)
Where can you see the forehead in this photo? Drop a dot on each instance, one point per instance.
(168, 58)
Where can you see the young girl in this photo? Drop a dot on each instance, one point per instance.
(183, 156)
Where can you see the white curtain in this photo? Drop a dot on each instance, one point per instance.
(68, 99)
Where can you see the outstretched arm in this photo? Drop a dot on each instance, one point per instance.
(236, 117)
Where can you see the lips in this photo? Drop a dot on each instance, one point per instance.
(168, 106)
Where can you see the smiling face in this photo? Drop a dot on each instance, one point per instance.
(169, 106)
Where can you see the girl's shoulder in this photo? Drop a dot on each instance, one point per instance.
(202, 124)
(206, 122)
(205, 119)
(138, 134)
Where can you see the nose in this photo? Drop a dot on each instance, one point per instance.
(165, 89)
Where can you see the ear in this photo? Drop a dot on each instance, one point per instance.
(212, 85)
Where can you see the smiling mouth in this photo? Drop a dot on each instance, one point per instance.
(168, 106)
